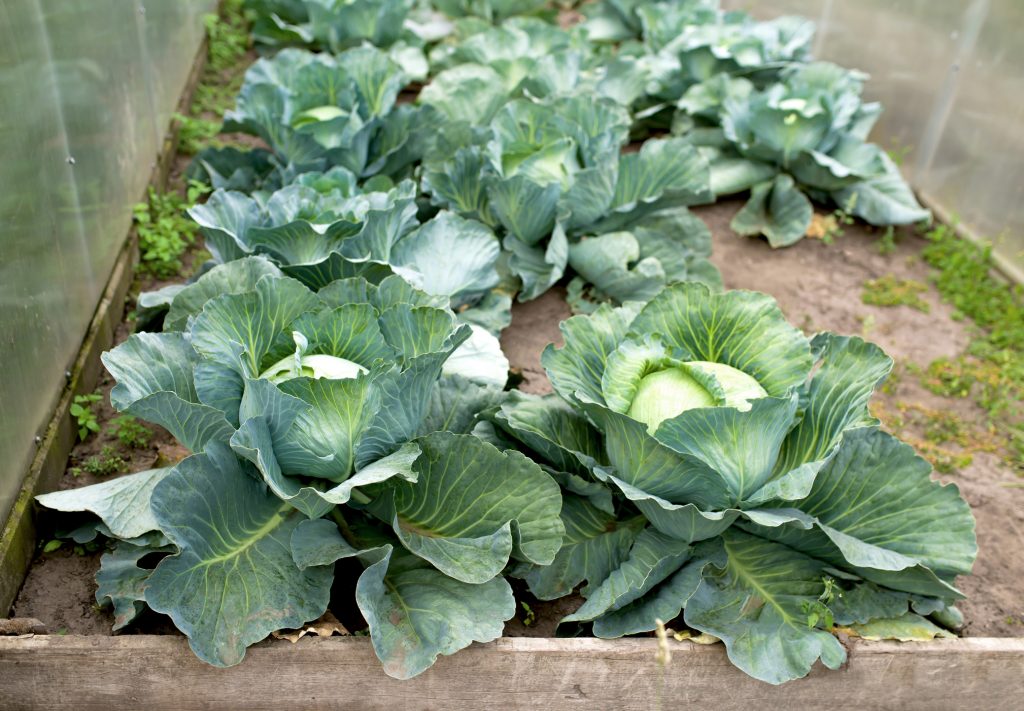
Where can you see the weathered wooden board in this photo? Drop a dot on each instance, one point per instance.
(153, 673)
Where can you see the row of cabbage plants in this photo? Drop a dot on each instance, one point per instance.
(336, 373)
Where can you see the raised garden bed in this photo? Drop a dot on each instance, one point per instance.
(530, 672)
(817, 285)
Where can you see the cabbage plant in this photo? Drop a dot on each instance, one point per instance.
(719, 465)
(317, 111)
(697, 39)
(635, 263)
(326, 425)
(323, 227)
(525, 56)
(331, 25)
(545, 173)
(697, 42)
(497, 11)
(805, 136)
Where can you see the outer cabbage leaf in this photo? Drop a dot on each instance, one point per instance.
(122, 503)
(471, 507)
(878, 514)
(234, 547)
(417, 614)
(778, 210)
(662, 248)
(883, 200)
(594, 545)
(652, 558)
(155, 383)
(121, 583)
(754, 604)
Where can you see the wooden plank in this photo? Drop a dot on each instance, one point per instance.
(159, 672)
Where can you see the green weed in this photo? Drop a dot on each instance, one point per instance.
(195, 133)
(890, 291)
(899, 152)
(834, 226)
(991, 371)
(228, 36)
(887, 245)
(529, 616)
(107, 462)
(164, 233)
(818, 611)
(948, 443)
(228, 41)
(130, 432)
(85, 416)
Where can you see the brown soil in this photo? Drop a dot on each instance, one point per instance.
(534, 325)
(60, 592)
(539, 618)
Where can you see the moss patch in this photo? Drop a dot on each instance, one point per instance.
(890, 291)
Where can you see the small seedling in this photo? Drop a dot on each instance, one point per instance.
(52, 546)
(82, 411)
(107, 462)
(818, 612)
(899, 152)
(130, 432)
(195, 133)
(81, 549)
(887, 245)
(529, 616)
(833, 226)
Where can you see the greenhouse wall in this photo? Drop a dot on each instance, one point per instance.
(88, 92)
(951, 78)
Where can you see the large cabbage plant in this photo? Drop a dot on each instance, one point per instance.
(525, 56)
(683, 43)
(805, 135)
(696, 42)
(547, 173)
(324, 226)
(325, 425)
(695, 39)
(316, 111)
(331, 25)
(718, 464)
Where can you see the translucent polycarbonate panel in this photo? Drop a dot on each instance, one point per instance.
(86, 92)
(951, 77)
